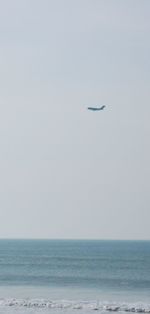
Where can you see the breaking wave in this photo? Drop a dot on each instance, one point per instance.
(77, 305)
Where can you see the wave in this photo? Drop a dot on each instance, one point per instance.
(77, 305)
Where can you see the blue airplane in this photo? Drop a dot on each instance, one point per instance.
(96, 108)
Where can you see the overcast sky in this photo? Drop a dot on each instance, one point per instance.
(66, 172)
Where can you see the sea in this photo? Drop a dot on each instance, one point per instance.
(74, 276)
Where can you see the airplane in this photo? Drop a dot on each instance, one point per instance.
(96, 108)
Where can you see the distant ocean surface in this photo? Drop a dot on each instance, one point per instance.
(74, 276)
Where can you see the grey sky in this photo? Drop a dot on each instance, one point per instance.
(66, 172)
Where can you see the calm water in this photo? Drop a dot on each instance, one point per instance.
(53, 276)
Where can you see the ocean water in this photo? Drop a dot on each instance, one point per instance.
(69, 276)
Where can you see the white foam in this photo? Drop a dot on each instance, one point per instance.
(76, 305)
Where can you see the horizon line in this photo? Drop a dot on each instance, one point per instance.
(73, 239)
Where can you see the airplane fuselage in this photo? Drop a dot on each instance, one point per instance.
(96, 108)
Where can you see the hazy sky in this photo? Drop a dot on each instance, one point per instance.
(66, 172)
